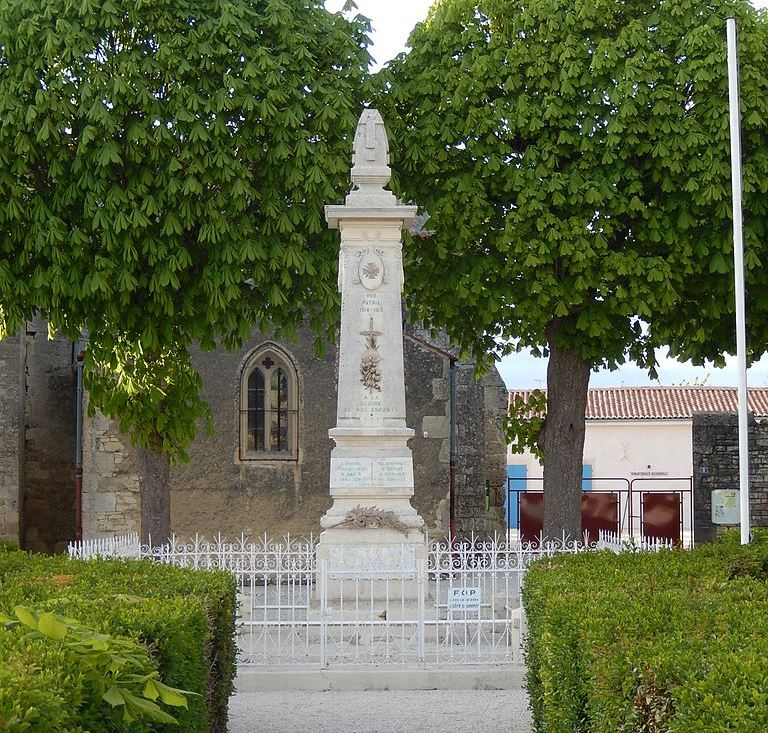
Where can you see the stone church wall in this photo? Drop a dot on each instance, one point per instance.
(716, 466)
(489, 469)
(110, 484)
(48, 494)
(480, 445)
(218, 492)
(11, 410)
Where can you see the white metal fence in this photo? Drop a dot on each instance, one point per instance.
(127, 545)
(622, 543)
(460, 607)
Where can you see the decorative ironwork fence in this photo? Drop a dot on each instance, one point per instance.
(460, 607)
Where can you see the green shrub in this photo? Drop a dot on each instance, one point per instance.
(38, 691)
(111, 669)
(648, 642)
(184, 618)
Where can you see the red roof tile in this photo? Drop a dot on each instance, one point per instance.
(663, 403)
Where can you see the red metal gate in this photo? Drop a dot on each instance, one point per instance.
(599, 510)
(654, 511)
(660, 516)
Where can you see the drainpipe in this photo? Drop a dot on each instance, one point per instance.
(452, 461)
(452, 481)
(79, 447)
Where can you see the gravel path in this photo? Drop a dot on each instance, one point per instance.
(459, 711)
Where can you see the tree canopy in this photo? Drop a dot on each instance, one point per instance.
(163, 170)
(164, 166)
(573, 157)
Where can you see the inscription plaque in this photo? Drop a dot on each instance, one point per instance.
(395, 471)
(350, 471)
(366, 561)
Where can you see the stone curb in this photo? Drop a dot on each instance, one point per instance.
(359, 679)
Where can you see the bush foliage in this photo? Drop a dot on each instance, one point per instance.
(669, 642)
(97, 646)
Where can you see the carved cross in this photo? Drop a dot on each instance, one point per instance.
(370, 336)
(370, 145)
(370, 137)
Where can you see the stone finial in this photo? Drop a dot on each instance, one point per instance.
(370, 156)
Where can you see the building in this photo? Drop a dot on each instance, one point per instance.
(660, 440)
(266, 468)
(643, 432)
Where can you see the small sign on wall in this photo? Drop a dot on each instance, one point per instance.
(464, 599)
(725, 506)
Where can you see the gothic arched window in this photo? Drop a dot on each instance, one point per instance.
(268, 407)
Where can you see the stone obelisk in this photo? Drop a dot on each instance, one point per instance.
(371, 529)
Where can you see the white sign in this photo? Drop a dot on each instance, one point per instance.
(464, 599)
(725, 506)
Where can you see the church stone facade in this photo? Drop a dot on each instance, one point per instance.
(37, 440)
(266, 467)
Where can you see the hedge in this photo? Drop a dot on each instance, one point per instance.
(185, 620)
(666, 642)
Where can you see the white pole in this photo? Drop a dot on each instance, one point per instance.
(738, 269)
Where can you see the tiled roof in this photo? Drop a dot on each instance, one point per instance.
(663, 403)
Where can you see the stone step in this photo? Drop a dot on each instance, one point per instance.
(502, 677)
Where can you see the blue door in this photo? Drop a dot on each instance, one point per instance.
(516, 474)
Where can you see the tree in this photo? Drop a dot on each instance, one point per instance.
(573, 157)
(163, 171)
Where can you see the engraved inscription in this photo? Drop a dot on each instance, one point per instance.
(371, 304)
(395, 471)
(365, 561)
(351, 471)
(369, 406)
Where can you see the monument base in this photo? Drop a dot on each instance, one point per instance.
(371, 565)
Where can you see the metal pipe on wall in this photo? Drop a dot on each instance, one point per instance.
(79, 447)
(452, 469)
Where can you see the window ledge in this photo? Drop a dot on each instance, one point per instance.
(262, 456)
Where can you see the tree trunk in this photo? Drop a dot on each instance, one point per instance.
(563, 445)
(155, 492)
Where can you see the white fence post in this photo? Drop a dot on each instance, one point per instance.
(421, 569)
(323, 611)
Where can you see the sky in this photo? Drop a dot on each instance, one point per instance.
(392, 21)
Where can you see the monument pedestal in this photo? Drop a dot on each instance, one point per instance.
(371, 566)
(371, 533)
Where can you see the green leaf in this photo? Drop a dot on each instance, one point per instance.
(51, 626)
(113, 696)
(170, 695)
(150, 690)
(26, 616)
(141, 707)
(109, 153)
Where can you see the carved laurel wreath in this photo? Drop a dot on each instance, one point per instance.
(365, 517)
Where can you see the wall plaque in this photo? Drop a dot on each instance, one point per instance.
(350, 471)
(395, 471)
(372, 561)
